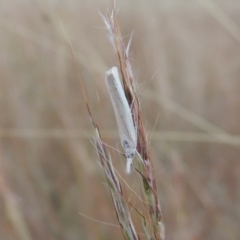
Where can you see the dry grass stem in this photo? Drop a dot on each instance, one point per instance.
(152, 219)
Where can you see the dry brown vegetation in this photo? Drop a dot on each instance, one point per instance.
(186, 57)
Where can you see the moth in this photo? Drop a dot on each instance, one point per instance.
(126, 128)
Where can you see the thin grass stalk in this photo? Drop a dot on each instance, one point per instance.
(153, 221)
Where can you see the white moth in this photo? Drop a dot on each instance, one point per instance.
(126, 129)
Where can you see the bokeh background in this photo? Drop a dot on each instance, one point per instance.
(186, 59)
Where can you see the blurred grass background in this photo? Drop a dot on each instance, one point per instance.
(186, 54)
